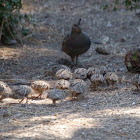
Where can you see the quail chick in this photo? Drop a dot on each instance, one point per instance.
(111, 78)
(4, 89)
(136, 81)
(76, 43)
(78, 90)
(58, 67)
(92, 71)
(96, 80)
(55, 94)
(80, 73)
(21, 92)
(52, 71)
(40, 86)
(62, 84)
(103, 70)
(64, 74)
(75, 81)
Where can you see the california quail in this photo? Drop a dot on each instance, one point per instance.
(75, 81)
(4, 89)
(76, 43)
(39, 86)
(55, 94)
(96, 80)
(21, 92)
(78, 90)
(62, 84)
(136, 80)
(64, 74)
(52, 71)
(55, 68)
(111, 78)
(80, 73)
(92, 70)
(103, 70)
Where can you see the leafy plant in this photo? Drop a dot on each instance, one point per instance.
(129, 4)
(9, 19)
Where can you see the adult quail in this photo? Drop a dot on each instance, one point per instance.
(64, 74)
(4, 90)
(136, 80)
(55, 94)
(76, 43)
(111, 78)
(96, 80)
(21, 92)
(62, 84)
(40, 86)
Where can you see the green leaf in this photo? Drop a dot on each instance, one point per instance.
(114, 9)
(105, 7)
(116, 2)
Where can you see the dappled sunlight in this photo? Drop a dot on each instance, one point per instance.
(127, 111)
(9, 53)
(61, 128)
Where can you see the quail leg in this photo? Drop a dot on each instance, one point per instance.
(113, 85)
(73, 97)
(39, 96)
(1, 98)
(78, 63)
(107, 85)
(76, 60)
(54, 102)
(95, 87)
(21, 101)
(27, 100)
(137, 87)
(72, 58)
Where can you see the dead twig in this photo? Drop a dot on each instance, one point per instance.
(1, 28)
(12, 35)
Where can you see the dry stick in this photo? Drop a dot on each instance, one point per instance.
(12, 35)
(135, 69)
(1, 28)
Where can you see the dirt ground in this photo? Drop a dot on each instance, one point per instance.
(112, 114)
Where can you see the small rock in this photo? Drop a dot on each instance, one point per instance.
(105, 40)
(109, 24)
(122, 69)
(138, 28)
(102, 50)
(12, 42)
(133, 103)
(123, 39)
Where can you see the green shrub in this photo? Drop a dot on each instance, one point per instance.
(129, 4)
(9, 19)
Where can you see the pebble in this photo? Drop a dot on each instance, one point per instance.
(102, 50)
(105, 40)
(109, 24)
